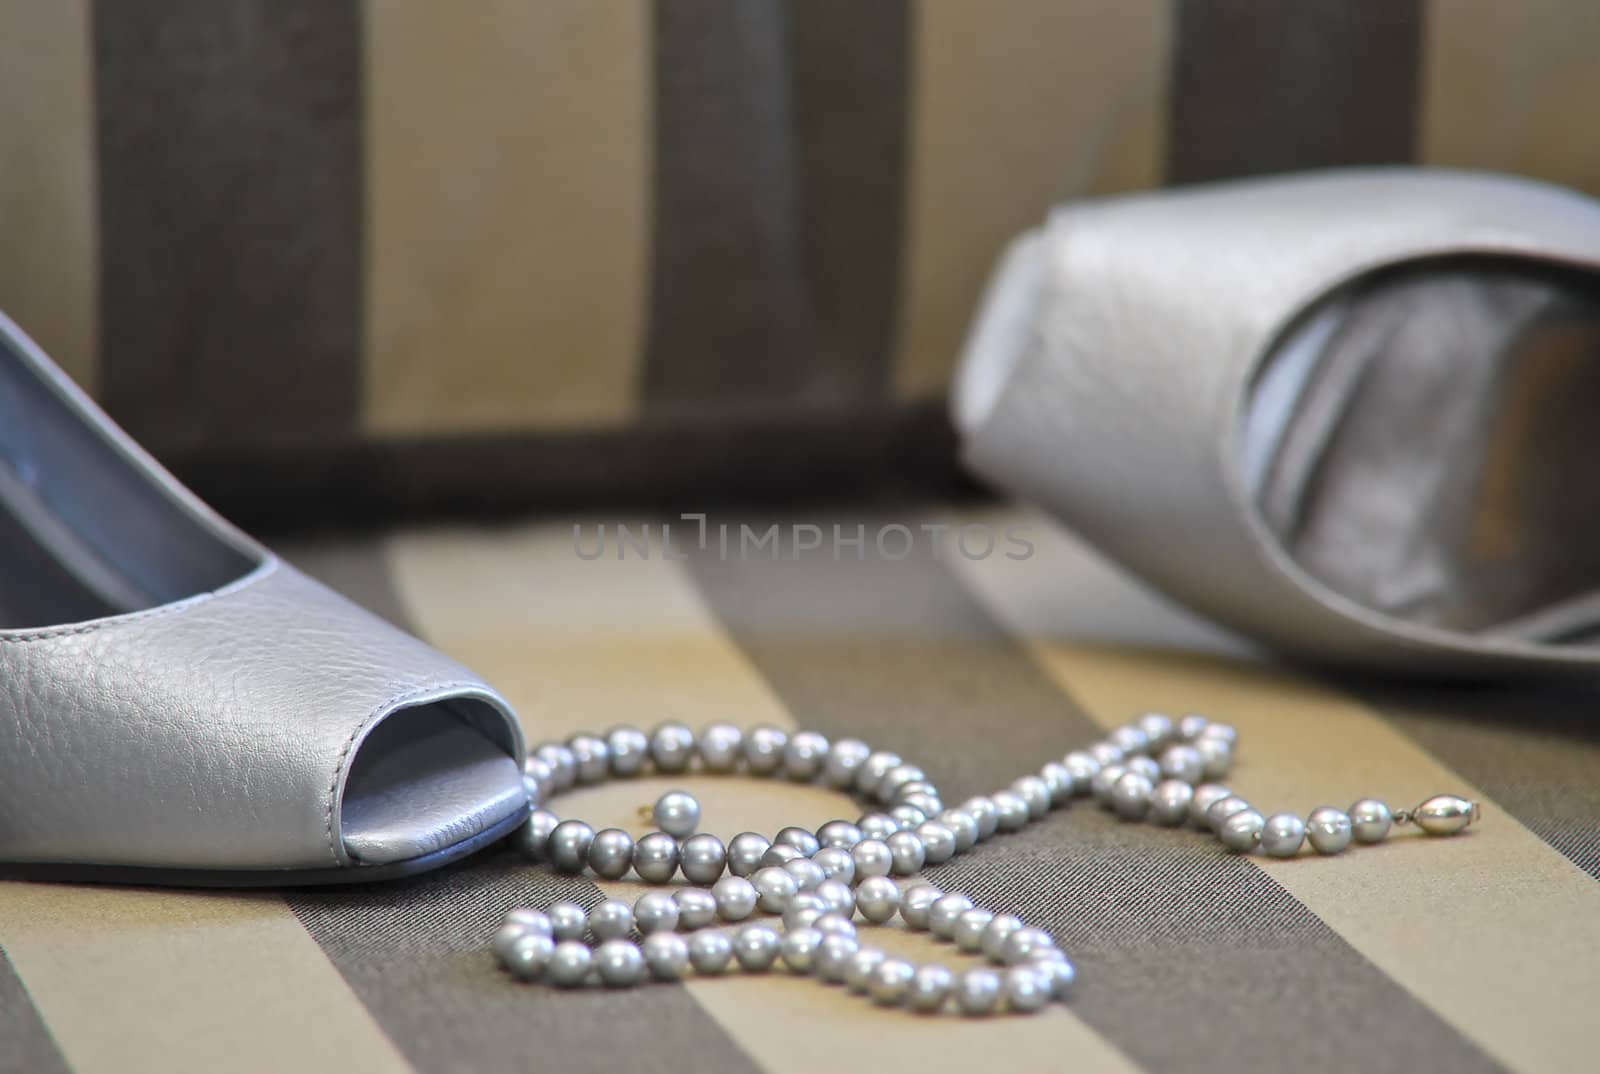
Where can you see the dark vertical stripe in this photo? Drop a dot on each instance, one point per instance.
(415, 953)
(1192, 959)
(779, 148)
(1273, 87)
(229, 136)
(26, 1046)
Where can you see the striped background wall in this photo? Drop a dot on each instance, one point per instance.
(1480, 953)
(398, 254)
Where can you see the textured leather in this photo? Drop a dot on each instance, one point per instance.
(1122, 407)
(218, 732)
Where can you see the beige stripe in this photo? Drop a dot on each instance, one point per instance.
(508, 213)
(580, 645)
(1497, 932)
(47, 180)
(183, 981)
(1015, 106)
(1511, 87)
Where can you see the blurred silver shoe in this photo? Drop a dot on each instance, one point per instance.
(1355, 415)
(178, 705)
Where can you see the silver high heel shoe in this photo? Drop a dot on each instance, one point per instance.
(178, 705)
(1349, 414)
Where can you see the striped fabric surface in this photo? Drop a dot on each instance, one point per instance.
(1479, 953)
(398, 254)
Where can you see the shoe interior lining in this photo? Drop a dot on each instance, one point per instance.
(1421, 443)
(84, 534)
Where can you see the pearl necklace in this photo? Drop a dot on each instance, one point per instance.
(1154, 770)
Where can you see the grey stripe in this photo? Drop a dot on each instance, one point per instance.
(1192, 960)
(1278, 87)
(777, 206)
(26, 1046)
(230, 208)
(414, 951)
(1532, 749)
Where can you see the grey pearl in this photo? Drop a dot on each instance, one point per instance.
(1026, 990)
(877, 899)
(508, 936)
(906, 853)
(797, 837)
(533, 792)
(962, 826)
(697, 908)
(1145, 767)
(1083, 768)
(915, 904)
(807, 873)
(799, 949)
(1216, 756)
(898, 776)
(930, 805)
(534, 766)
(1130, 798)
(804, 755)
(1104, 780)
(666, 955)
(530, 922)
(1129, 739)
(620, 963)
(528, 957)
(1221, 810)
(968, 933)
(1282, 835)
(745, 852)
(630, 750)
(844, 760)
(611, 853)
(833, 957)
(533, 838)
(1059, 974)
(563, 766)
(1224, 731)
(930, 987)
(1157, 727)
(984, 812)
(781, 854)
(863, 964)
(569, 964)
(1241, 831)
(702, 858)
(592, 757)
(839, 834)
(832, 923)
(906, 791)
(835, 863)
(568, 921)
(1370, 820)
(878, 826)
(774, 887)
(943, 914)
(720, 746)
(1169, 802)
(1035, 794)
(891, 982)
(1205, 796)
(611, 919)
(996, 933)
(736, 898)
(1192, 726)
(1025, 943)
(802, 910)
(655, 857)
(1059, 781)
(938, 843)
(907, 816)
(1104, 753)
(671, 747)
(838, 896)
(710, 951)
(1329, 830)
(873, 769)
(569, 845)
(756, 947)
(1012, 810)
(873, 858)
(978, 992)
(1182, 762)
(763, 750)
(677, 813)
(655, 911)
(1444, 814)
